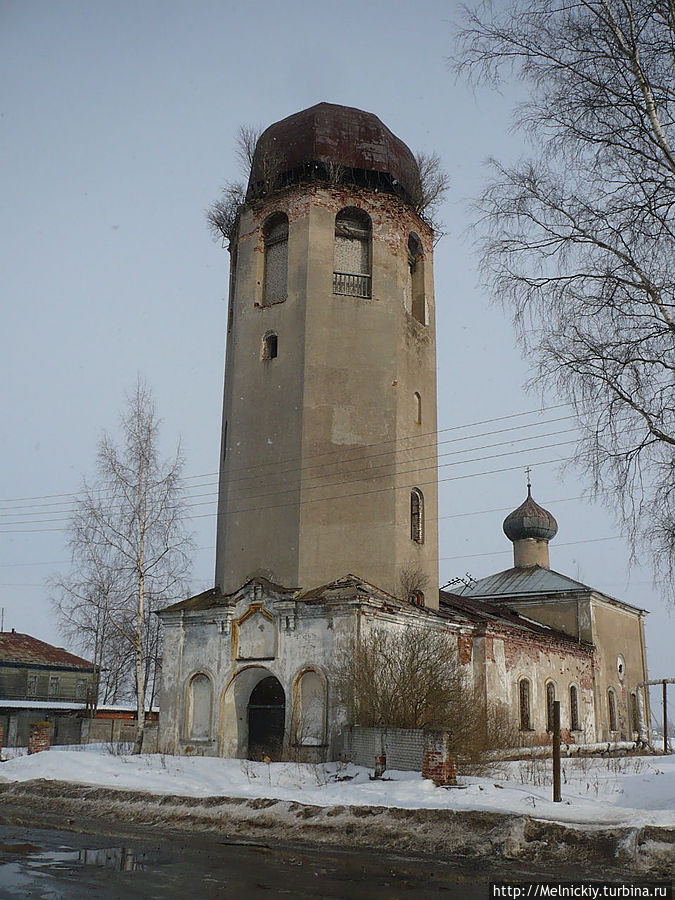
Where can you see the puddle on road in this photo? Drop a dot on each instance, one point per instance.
(120, 859)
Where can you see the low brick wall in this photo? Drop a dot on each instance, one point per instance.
(404, 748)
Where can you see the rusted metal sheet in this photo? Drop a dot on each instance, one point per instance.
(331, 135)
(22, 648)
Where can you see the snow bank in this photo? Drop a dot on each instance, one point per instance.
(632, 791)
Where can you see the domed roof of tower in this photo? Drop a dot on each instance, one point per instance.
(338, 143)
(530, 521)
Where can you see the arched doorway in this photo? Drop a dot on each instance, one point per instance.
(266, 719)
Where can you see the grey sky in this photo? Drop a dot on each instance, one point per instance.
(118, 122)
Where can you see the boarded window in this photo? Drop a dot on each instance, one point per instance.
(200, 708)
(550, 700)
(352, 265)
(275, 234)
(574, 709)
(611, 706)
(418, 306)
(417, 516)
(270, 346)
(311, 715)
(524, 699)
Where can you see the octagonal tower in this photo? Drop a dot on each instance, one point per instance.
(329, 449)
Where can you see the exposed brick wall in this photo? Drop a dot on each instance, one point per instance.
(439, 764)
(38, 739)
(404, 748)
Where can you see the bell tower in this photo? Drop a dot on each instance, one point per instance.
(329, 448)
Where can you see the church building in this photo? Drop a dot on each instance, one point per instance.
(328, 490)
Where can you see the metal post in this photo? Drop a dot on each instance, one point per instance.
(665, 718)
(557, 795)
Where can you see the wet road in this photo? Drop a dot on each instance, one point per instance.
(61, 865)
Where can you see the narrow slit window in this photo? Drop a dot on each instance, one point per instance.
(352, 264)
(270, 348)
(417, 516)
(550, 700)
(634, 713)
(524, 700)
(275, 282)
(611, 705)
(418, 409)
(418, 306)
(574, 709)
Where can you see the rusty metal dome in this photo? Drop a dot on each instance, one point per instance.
(340, 143)
(530, 521)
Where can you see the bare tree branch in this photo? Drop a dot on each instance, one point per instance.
(579, 240)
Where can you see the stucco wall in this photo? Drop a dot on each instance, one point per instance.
(322, 445)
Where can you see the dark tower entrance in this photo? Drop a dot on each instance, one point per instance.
(266, 719)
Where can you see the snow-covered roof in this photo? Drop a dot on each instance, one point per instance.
(40, 704)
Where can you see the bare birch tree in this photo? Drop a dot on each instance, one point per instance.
(129, 546)
(578, 239)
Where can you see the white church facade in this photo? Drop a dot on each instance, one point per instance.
(328, 481)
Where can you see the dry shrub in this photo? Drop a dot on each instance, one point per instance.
(412, 678)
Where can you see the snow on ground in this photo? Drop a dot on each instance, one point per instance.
(628, 791)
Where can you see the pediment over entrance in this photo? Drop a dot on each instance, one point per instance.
(254, 635)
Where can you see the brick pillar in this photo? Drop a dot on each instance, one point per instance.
(39, 737)
(380, 765)
(438, 763)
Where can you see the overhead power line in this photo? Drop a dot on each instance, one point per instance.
(331, 452)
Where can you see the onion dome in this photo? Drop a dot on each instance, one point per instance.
(339, 143)
(530, 521)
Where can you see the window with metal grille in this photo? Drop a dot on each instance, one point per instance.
(352, 263)
(550, 699)
(611, 706)
(574, 709)
(417, 516)
(275, 282)
(524, 698)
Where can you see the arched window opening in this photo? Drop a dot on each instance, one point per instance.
(418, 598)
(524, 700)
(352, 264)
(418, 408)
(311, 711)
(270, 346)
(611, 705)
(275, 282)
(416, 516)
(550, 700)
(199, 728)
(574, 709)
(416, 279)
